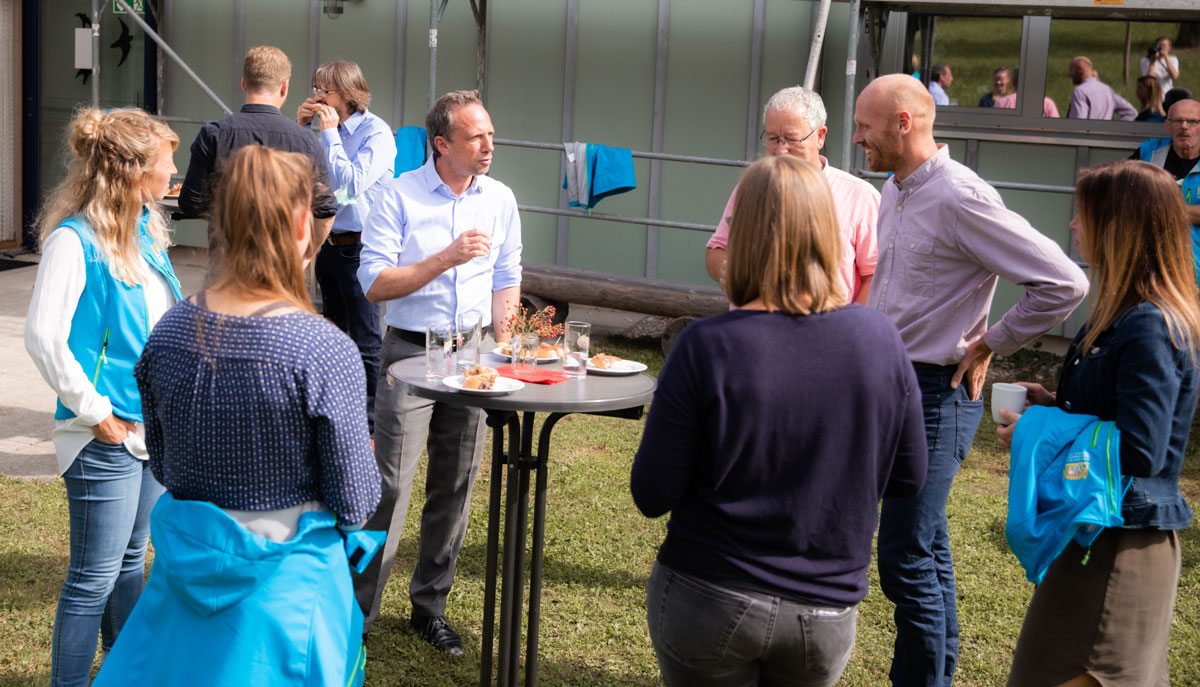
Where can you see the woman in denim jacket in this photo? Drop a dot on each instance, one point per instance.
(1103, 615)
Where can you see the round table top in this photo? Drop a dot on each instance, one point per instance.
(590, 394)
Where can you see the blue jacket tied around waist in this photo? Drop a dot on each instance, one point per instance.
(1064, 483)
(226, 607)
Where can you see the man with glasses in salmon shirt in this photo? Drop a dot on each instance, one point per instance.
(794, 124)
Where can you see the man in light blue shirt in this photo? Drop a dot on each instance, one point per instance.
(440, 241)
(360, 151)
(940, 78)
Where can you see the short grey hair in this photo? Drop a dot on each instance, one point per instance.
(803, 100)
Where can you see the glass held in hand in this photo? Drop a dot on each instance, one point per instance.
(485, 223)
(468, 339)
(439, 347)
(575, 348)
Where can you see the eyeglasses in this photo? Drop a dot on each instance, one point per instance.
(1179, 120)
(773, 141)
(321, 92)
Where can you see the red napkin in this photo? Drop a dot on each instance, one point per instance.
(535, 376)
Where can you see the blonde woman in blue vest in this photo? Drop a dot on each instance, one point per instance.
(103, 282)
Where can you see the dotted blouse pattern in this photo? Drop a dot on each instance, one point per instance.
(258, 413)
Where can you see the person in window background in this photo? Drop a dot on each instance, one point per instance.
(103, 283)
(1102, 615)
(1002, 84)
(1150, 94)
(773, 503)
(1009, 102)
(256, 425)
(1160, 63)
(1092, 98)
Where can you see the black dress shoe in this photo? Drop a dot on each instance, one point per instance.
(437, 632)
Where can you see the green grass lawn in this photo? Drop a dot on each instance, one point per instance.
(598, 554)
(975, 47)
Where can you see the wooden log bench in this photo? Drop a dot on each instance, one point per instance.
(543, 284)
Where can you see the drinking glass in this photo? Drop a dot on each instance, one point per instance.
(439, 347)
(470, 333)
(575, 348)
(486, 223)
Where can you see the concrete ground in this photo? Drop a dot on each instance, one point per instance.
(27, 402)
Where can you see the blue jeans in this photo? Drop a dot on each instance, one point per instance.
(710, 635)
(344, 304)
(915, 568)
(110, 495)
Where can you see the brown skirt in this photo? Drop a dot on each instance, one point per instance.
(1109, 618)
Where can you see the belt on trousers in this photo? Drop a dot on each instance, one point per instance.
(348, 238)
(418, 338)
(414, 338)
(931, 367)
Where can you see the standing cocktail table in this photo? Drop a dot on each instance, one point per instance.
(622, 397)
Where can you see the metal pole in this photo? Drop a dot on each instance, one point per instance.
(401, 48)
(814, 51)
(166, 48)
(239, 49)
(851, 72)
(617, 218)
(755, 91)
(570, 57)
(636, 153)
(656, 135)
(314, 40)
(435, 16)
(96, 6)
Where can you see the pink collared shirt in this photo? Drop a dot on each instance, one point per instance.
(857, 205)
(945, 239)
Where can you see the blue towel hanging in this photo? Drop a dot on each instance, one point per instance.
(410, 148)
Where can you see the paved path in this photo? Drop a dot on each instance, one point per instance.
(26, 402)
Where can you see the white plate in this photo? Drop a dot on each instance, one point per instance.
(503, 385)
(499, 350)
(621, 367)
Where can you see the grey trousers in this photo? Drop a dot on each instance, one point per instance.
(709, 635)
(455, 443)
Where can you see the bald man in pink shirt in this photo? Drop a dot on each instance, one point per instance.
(794, 124)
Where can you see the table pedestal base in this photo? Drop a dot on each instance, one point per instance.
(512, 468)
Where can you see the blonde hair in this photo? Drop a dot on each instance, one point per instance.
(111, 153)
(265, 69)
(257, 194)
(1134, 223)
(346, 79)
(784, 242)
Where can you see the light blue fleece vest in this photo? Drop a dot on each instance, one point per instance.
(1154, 151)
(111, 323)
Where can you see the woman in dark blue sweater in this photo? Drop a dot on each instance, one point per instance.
(774, 433)
(1103, 616)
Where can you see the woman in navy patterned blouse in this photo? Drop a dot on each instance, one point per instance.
(256, 424)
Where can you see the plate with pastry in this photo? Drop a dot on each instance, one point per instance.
(547, 352)
(484, 381)
(601, 364)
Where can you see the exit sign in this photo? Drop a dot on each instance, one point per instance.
(138, 6)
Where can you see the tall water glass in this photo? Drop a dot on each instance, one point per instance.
(439, 350)
(470, 333)
(575, 348)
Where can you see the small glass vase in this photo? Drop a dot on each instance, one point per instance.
(525, 351)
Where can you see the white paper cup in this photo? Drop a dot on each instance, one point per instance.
(1009, 397)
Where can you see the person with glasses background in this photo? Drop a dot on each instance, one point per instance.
(794, 124)
(1179, 154)
(361, 154)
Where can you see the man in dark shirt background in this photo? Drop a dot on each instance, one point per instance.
(266, 73)
(1180, 155)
